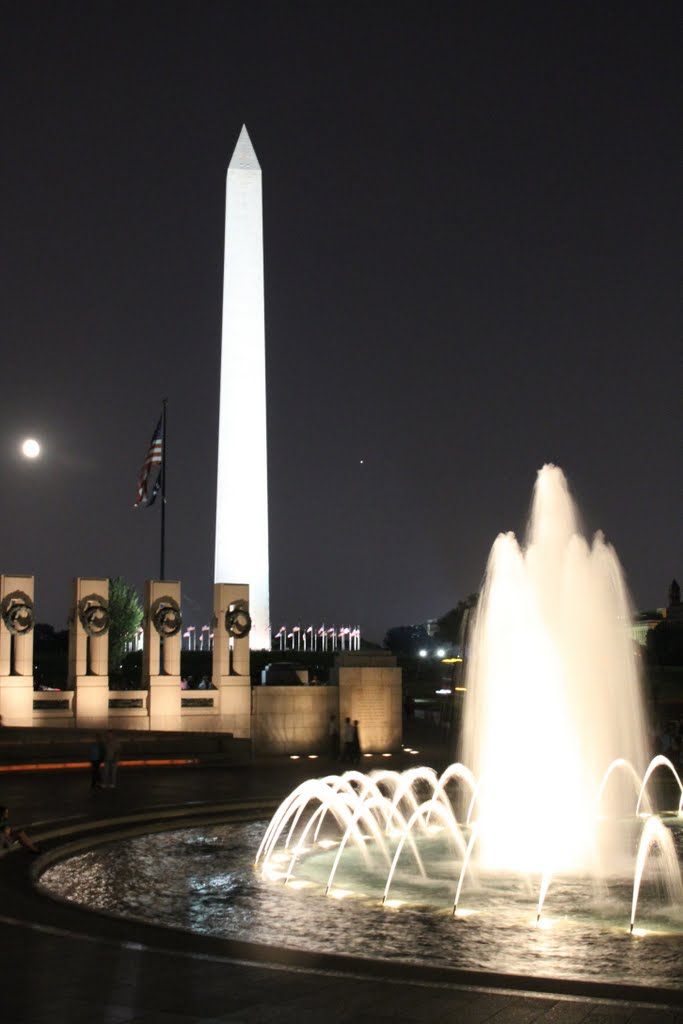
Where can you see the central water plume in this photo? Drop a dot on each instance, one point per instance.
(553, 693)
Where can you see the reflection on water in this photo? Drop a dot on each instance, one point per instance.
(203, 880)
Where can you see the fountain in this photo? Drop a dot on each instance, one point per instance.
(549, 804)
(552, 847)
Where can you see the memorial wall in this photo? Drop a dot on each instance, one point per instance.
(370, 692)
(364, 686)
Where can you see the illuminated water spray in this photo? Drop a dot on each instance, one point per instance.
(553, 693)
(553, 790)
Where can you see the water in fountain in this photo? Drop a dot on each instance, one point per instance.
(553, 694)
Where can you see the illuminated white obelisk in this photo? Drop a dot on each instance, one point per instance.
(242, 493)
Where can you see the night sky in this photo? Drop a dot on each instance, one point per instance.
(472, 230)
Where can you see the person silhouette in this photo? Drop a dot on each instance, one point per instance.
(347, 739)
(355, 744)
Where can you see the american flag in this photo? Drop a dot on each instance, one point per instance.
(154, 457)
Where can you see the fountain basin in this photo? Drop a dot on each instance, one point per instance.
(203, 880)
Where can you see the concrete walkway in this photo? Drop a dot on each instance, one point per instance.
(62, 964)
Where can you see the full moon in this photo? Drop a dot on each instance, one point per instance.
(30, 448)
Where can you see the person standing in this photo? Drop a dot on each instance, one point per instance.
(112, 748)
(96, 755)
(347, 739)
(355, 744)
(333, 738)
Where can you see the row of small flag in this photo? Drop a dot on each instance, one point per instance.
(342, 631)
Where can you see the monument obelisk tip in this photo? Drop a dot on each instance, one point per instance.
(244, 157)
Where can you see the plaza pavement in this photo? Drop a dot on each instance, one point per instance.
(64, 965)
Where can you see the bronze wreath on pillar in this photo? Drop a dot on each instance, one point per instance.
(166, 617)
(93, 612)
(238, 620)
(17, 612)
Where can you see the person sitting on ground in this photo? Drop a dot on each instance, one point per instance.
(9, 835)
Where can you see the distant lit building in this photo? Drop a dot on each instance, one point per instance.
(643, 622)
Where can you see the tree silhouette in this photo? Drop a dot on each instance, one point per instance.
(451, 627)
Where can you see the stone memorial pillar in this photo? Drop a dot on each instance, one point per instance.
(89, 651)
(16, 650)
(231, 672)
(162, 624)
(370, 685)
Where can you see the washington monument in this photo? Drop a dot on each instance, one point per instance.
(242, 492)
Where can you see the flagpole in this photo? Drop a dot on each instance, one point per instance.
(162, 572)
